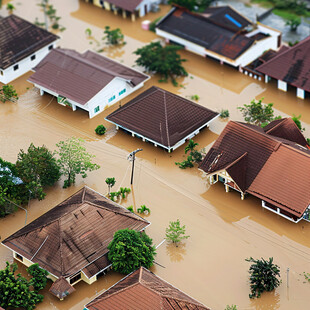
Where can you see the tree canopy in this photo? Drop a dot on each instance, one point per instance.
(129, 250)
(73, 159)
(163, 60)
(113, 37)
(175, 232)
(37, 168)
(192, 5)
(8, 92)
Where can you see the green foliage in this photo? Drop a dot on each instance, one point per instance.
(162, 60)
(257, 113)
(195, 97)
(143, 209)
(110, 182)
(307, 276)
(192, 5)
(37, 168)
(188, 163)
(10, 7)
(194, 156)
(8, 93)
(308, 141)
(114, 194)
(124, 191)
(191, 146)
(293, 43)
(39, 277)
(175, 232)
(297, 121)
(152, 25)
(224, 113)
(129, 250)
(263, 276)
(100, 130)
(113, 37)
(130, 208)
(15, 290)
(73, 159)
(294, 23)
(232, 307)
(88, 32)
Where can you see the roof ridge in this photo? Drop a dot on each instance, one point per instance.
(278, 124)
(236, 160)
(166, 119)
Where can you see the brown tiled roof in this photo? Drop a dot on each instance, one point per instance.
(75, 234)
(205, 32)
(287, 129)
(143, 290)
(128, 5)
(61, 288)
(161, 116)
(20, 39)
(80, 77)
(264, 164)
(291, 66)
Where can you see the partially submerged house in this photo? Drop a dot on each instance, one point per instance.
(70, 241)
(127, 8)
(290, 66)
(220, 33)
(271, 163)
(143, 290)
(22, 46)
(162, 118)
(88, 81)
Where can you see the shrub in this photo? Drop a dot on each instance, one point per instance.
(100, 130)
(144, 209)
(152, 25)
(175, 233)
(130, 208)
(224, 113)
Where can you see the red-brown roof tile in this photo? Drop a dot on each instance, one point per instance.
(291, 66)
(161, 116)
(80, 77)
(143, 290)
(75, 234)
(61, 288)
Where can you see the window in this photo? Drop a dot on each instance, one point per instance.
(18, 257)
(112, 98)
(15, 67)
(50, 47)
(122, 92)
(97, 109)
(76, 278)
(33, 57)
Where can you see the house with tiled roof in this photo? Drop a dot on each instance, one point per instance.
(162, 118)
(290, 66)
(87, 81)
(270, 163)
(22, 46)
(128, 8)
(70, 241)
(143, 290)
(219, 33)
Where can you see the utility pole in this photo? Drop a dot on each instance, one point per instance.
(131, 157)
(16, 205)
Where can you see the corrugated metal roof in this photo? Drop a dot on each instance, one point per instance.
(74, 234)
(143, 290)
(274, 168)
(161, 116)
(291, 66)
(80, 77)
(20, 39)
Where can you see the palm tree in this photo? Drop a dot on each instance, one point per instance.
(191, 145)
(110, 182)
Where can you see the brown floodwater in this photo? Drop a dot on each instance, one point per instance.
(224, 230)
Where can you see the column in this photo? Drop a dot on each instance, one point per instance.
(282, 85)
(226, 188)
(41, 92)
(266, 78)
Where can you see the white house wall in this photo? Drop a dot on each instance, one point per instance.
(24, 65)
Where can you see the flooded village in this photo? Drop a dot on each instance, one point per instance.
(261, 210)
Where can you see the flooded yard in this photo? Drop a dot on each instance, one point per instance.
(224, 230)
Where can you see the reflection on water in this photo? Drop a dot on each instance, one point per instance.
(176, 252)
(271, 301)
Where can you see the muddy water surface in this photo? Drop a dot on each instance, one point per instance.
(223, 230)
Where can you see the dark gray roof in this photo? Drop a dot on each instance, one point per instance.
(19, 39)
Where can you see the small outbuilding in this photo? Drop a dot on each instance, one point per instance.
(88, 81)
(143, 290)
(22, 46)
(162, 118)
(70, 241)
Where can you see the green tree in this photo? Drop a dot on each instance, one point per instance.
(257, 113)
(194, 156)
(293, 22)
(110, 182)
(100, 130)
(37, 168)
(15, 290)
(73, 159)
(192, 5)
(10, 8)
(175, 232)
(7, 93)
(297, 121)
(143, 209)
(129, 250)
(263, 276)
(39, 277)
(113, 37)
(190, 146)
(162, 60)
